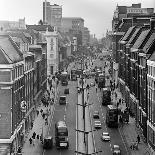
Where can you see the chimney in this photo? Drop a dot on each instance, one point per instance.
(152, 23)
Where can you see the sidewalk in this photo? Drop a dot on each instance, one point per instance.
(130, 132)
(39, 127)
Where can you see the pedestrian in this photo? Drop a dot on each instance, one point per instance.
(138, 139)
(41, 111)
(30, 140)
(33, 137)
(31, 125)
(46, 121)
(38, 137)
(43, 115)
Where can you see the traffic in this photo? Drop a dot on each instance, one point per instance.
(104, 115)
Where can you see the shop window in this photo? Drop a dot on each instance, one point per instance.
(51, 69)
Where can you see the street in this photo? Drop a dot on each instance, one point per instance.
(68, 113)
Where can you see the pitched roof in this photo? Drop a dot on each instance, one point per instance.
(152, 57)
(128, 34)
(19, 34)
(141, 39)
(134, 36)
(40, 27)
(9, 50)
(150, 41)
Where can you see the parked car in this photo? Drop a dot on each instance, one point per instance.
(105, 136)
(116, 150)
(48, 142)
(62, 100)
(96, 115)
(98, 125)
(66, 91)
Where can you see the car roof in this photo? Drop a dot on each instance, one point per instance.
(105, 133)
(97, 121)
(63, 96)
(116, 146)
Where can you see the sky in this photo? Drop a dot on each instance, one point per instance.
(97, 14)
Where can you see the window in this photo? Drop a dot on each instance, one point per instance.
(51, 69)
(52, 43)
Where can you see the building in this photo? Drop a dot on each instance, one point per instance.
(11, 93)
(5, 25)
(129, 11)
(86, 36)
(52, 14)
(75, 26)
(51, 37)
(151, 101)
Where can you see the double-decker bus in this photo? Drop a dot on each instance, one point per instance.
(61, 135)
(112, 116)
(64, 78)
(98, 71)
(101, 80)
(73, 75)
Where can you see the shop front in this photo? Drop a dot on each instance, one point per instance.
(133, 106)
(127, 96)
(122, 87)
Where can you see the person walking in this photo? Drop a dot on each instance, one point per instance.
(33, 138)
(30, 141)
(138, 139)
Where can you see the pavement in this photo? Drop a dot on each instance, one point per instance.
(129, 132)
(40, 128)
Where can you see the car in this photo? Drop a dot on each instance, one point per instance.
(105, 136)
(48, 142)
(62, 100)
(116, 150)
(66, 91)
(98, 125)
(96, 115)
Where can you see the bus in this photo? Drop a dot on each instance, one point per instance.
(73, 75)
(61, 135)
(101, 80)
(112, 116)
(106, 96)
(98, 71)
(64, 78)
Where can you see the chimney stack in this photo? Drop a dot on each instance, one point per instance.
(152, 23)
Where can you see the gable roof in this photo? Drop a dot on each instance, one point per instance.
(40, 27)
(127, 34)
(9, 50)
(149, 43)
(141, 39)
(152, 57)
(18, 34)
(133, 37)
